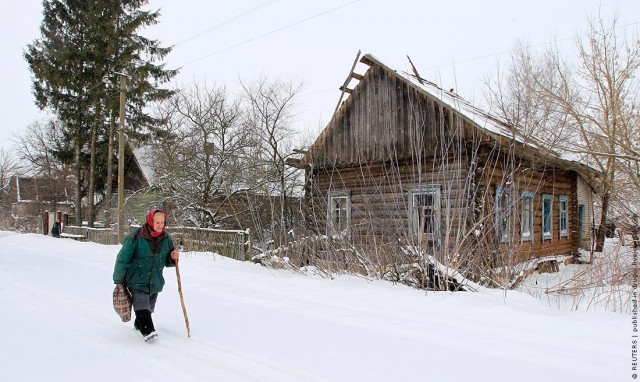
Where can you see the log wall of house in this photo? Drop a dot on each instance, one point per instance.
(585, 197)
(380, 202)
(517, 175)
(380, 194)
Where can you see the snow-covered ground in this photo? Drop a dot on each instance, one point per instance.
(251, 323)
(604, 285)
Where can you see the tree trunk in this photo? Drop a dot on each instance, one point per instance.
(602, 228)
(606, 198)
(78, 195)
(109, 184)
(284, 226)
(92, 166)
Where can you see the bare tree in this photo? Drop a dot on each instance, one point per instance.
(269, 114)
(35, 159)
(512, 95)
(8, 168)
(588, 107)
(205, 160)
(35, 148)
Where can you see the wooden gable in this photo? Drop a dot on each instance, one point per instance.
(385, 118)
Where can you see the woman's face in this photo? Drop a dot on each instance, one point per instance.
(158, 221)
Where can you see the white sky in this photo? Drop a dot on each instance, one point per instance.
(250, 323)
(452, 43)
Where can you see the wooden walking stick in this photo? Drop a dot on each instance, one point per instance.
(184, 309)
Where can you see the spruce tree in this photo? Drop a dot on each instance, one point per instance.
(85, 45)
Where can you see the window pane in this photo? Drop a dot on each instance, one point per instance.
(564, 217)
(340, 212)
(526, 216)
(503, 214)
(426, 220)
(421, 200)
(546, 211)
(425, 212)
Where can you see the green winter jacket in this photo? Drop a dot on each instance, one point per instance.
(138, 267)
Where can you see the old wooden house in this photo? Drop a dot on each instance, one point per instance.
(406, 163)
(31, 197)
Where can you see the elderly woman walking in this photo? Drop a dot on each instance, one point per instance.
(139, 265)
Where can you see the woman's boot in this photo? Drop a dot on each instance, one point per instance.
(144, 324)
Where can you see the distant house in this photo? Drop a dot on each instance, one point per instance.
(405, 162)
(137, 175)
(237, 206)
(31, 197)
(138, 186)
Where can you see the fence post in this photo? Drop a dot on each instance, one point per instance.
(247, 247)
(45, 223)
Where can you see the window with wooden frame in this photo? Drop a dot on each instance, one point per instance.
(502, 209)
(424, 208)
(339, 212)
(563, 215)
(547, 214)
(526, 216)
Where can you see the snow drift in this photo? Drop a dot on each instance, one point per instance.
(251, 323)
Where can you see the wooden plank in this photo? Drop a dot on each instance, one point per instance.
(346, 83)
(415, 71)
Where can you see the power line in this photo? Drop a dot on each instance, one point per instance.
(511, 50)
(229, 21)
(270, 33)
(476, 58)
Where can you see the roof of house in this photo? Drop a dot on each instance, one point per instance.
(29, 189)
(143, 157)
(492, 125)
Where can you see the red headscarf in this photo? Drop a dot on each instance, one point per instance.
(150, 222)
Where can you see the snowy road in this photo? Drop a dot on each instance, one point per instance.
(250, 323)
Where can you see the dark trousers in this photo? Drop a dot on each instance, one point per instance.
(143, 301)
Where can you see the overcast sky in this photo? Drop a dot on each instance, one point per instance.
(453, 43)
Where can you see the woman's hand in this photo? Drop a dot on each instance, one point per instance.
(175, 255)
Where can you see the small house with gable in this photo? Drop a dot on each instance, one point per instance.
(405, 162)
(31, 197)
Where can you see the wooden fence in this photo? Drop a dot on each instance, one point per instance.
(228, 243)
(96, 235)
(328, 254)
(233, 244)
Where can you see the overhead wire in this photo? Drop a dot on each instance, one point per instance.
(229, 21)
(270, 32)
(510, 50)
(270, 2)
(464, 61)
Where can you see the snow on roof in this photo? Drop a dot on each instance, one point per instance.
(483, 120)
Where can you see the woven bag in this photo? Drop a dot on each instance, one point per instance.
(122, 302)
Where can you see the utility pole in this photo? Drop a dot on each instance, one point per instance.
(123, 88)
